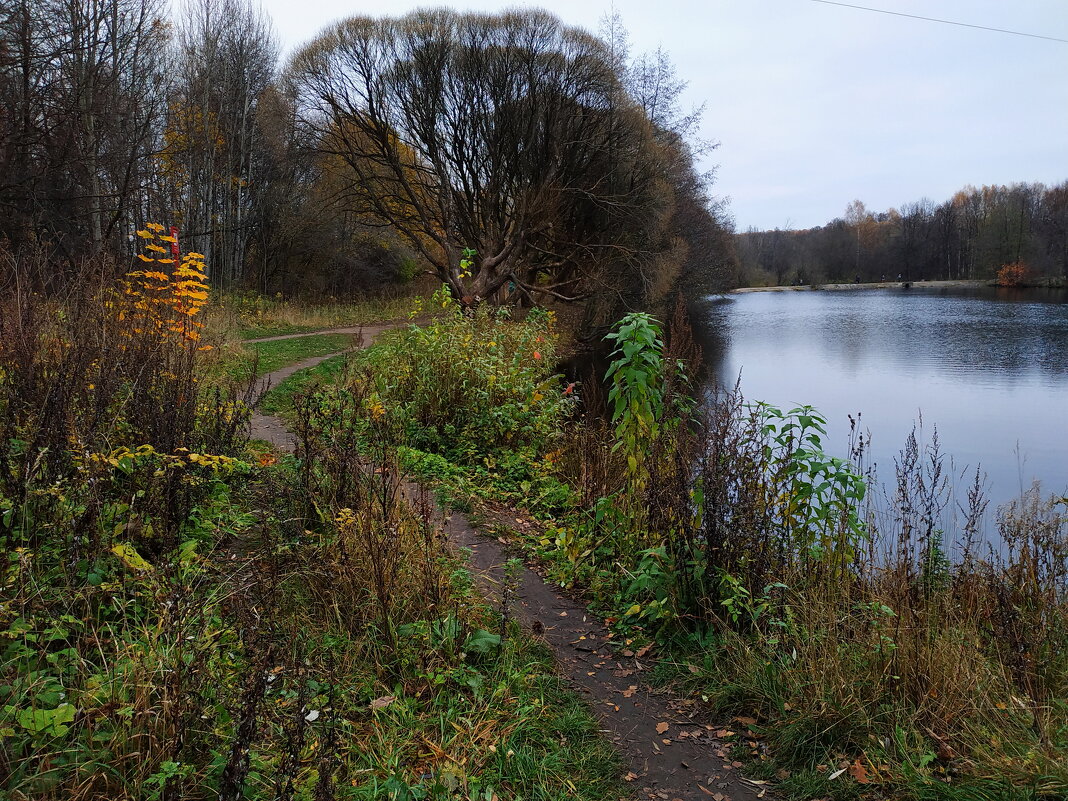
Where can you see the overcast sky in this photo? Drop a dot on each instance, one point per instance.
(814, 104)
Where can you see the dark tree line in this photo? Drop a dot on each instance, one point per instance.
(970, 236)
(78, 121)
(387, 147)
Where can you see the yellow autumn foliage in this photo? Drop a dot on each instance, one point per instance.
(169, 302)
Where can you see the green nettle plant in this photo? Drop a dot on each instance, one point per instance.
(820, 501)
(637, 392)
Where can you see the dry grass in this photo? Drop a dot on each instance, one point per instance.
(237, 316)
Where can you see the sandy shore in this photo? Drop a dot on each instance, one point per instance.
(880, 285)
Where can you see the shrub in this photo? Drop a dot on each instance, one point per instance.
(476, 387)
(1015, 274)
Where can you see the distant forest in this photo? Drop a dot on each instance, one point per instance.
(970, 236)
(552, 162)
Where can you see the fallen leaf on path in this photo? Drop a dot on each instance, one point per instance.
(662, 727)
(631, 776)
(859, 772)
(644, 650)
(745, 721)
(627, 693)
(724, 733)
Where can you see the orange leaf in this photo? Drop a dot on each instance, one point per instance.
(859, 772)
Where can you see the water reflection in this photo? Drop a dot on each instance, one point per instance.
(987, 367)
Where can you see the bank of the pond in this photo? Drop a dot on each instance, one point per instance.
(640, 718)
(1045, 283)
(877, 285)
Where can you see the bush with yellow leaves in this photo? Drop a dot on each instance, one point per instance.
(170, 301)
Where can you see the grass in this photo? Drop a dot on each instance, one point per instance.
(249, 316)
(271, 356)
(509, 727)
(236, 361)
(279, 398)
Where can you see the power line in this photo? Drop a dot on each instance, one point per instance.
(943, 21)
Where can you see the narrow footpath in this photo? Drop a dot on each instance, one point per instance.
(669, 745)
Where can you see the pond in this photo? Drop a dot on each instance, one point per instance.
(987, 368)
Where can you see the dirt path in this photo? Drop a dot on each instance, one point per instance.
(669, 745)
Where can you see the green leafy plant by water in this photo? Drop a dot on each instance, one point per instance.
(636, 393)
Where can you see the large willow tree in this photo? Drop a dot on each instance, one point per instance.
(509, 134)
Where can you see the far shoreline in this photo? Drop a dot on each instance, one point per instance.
(878, 285)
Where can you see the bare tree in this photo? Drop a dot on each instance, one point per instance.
(509, 134)
(214, 147)
(80, 95)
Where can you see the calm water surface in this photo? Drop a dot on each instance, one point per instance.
(988, 368)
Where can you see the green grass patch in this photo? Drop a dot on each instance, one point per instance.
(237, 361)
(279, 399)
(508, 726)
(280, 353)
